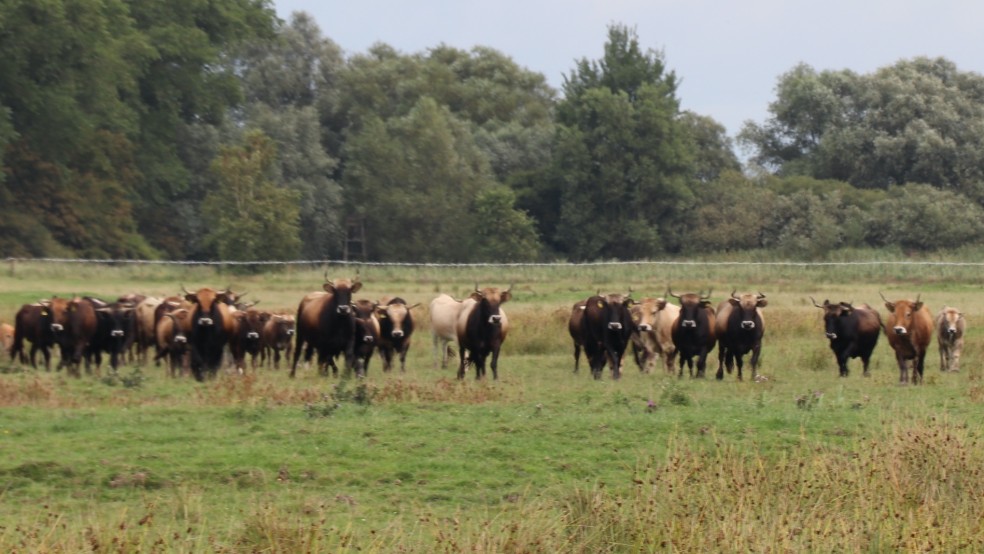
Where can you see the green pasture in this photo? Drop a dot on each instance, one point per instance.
(543, 460)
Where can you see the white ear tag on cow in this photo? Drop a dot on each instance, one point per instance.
(600, 305)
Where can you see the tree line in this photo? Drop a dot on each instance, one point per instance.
(218, 131)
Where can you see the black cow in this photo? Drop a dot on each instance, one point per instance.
(606, 330)
(395, 331)
(852, 331)
(574, 329)
(326, 323)
(114, 332)
(740, 329)
(482, 328)
(694, 331)
(211, 328)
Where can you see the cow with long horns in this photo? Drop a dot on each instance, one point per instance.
(852, 331)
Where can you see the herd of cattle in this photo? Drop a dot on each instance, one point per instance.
(195, 331)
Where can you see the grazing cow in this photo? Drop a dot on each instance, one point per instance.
(652, 338)
(909, 328)
(211, 328)
(694, 331)
(852, 330)
(278, 336)
(444, 311)
(114, 329)
(7, 338)
(740, 329)
(246, 336)
(81, 327)
(143, 325)
(172, 339)
(37, 324)
(574, 330)
(606, 330)
(482, 328)
(395, 329)
(326, 322)
(950, 327)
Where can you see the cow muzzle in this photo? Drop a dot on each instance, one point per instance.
(495, 319)
(747, 325)
(367, 339)
(180, 339)
(951, 332)
(688, 323)
(290, 332)
(615, 326)
(344, 309)
(252, 335)
(645, 327)
(832, 336)
(206, 321)
(116, 333)
(57, 327)
(397, 334)
(899, 330)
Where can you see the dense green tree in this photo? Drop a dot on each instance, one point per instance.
(625, 158)
(922, 217)
(728, 214)
(499, 231)
(713, 149)
(250, 218)
(917, 121)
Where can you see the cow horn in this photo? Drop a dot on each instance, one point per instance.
(184, 290)
(326, 276)
(476, 287)
(883, 297)
(761, 296)
(702, 297)
(669, 291)
(733, 295)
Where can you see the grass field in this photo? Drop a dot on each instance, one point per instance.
(543, 460)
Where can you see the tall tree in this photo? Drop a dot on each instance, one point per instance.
(625, 158)
(917, 121)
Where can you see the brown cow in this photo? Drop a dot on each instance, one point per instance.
(143, 325)
(482, 328)
(36, 324)
(694, 331)
(394, 328)
(574, 329)
(950, 327)
(444, 311)
(81, 326)
(326, 322)
(7, 338)
(909, 329)
(278, 336)
(653, 338)
(172, 339)
(246, 336)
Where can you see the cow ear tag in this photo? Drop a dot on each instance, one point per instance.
(600, 305)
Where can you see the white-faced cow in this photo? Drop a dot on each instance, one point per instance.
(740, 329)
(395, 331)
(444, 312)
(326, 323)
(909, 328)
(606, 330)
(694, 331)
(950, 327)
(852, 331)
(482, 328)
(652, 338)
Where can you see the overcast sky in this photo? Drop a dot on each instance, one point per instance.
(729, 54)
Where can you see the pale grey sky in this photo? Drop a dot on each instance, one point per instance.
(728, 54)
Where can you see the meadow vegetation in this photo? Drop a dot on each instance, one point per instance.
(543, 460)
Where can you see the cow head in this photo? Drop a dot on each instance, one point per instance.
(397, 318)
(54, 314)
(181, 322)
(615, 306)
(950, 319)
(644, 314)
(489, 299)
(833, 316)
(206, 305)
(691, 307)
(342, 289)
(747, 305)
(902, 310)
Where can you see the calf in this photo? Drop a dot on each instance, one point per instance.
(277, 337)
(246, 336)
(482, 328)
(395, 329)
(606, 328)
(950, 327)
(694, 331)
(172, 339)
(740, 329)
(910, 329)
